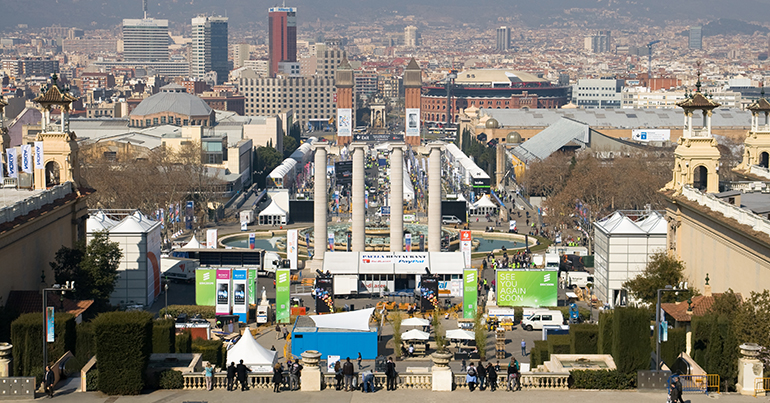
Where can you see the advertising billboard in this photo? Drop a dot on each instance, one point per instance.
(223, 292)
(205, 287)
(251, 286)
(412, 121)
(408, 242)
(428, 293)
(651, 134)
(331, 241)
(11, 164)
(533, 288)
(343, 172)
(39, 156)
(252, 240)
(49, 325)
(26, 158)
(324, 292)
(240, 301)
(291, 248)
(189, 213)
(465, 246)
(470, 292)
(211, 239)
(344, 122)
(282, 306)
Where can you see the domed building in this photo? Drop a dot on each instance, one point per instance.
(172, 106)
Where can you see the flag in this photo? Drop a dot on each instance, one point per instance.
(12, 167)
(1, 165)
(39, 155)
(26, 158)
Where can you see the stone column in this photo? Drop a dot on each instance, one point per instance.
(442, 374)
(311, 374)
(6, 359)
(359, 217)
(397, 197)
(434, 197)
(320, 201)
(750, 369)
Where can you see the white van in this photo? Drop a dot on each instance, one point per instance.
(541, 318)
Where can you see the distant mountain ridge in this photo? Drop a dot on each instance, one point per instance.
(726, 26)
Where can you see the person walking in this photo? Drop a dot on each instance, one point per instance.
(208, 374)
(482, 375)
(278, 331)
(231, 376)
(242, 371)
(360, 360)
(391, 374)
(277, 377)
(523, 348)
(48, 380)
(676, 390)
(338, 374)
(492, 377)
(347, 370)
(470, 377)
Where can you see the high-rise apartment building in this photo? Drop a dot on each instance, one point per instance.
(411, 36)
(598, 43)
(503, 43)
(240, 53)
(209, 47)
(145, 40)
(696, 38)
(282, 36)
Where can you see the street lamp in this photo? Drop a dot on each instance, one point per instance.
(682, 287)
(165, 291)
(68, 286)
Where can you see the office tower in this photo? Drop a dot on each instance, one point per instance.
(598, 43)
(503, 39)
(241, 53)
(696, 38)
(209, 47)
(282, 32)
(145, 40)
(411, 36)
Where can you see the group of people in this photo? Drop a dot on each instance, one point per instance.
(238, 372)
(345, 374)
(485, 376)
(294, 370)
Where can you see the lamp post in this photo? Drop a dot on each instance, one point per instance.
(682, 287)
(69, 286)
(165, 291)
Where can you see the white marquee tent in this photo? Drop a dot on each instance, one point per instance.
(459, 334)
(355, 320)
(193, 244)
(272, 215)
(483, 206)
(252, 353)
(415, 322)
(415, 334)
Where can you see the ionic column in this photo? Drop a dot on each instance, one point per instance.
(319, 201)
(359, 217)
(397, 197)
(434, 197)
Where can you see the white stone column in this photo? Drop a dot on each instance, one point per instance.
(434, 197)
(359, 217)
(320, 201)
(397, 197)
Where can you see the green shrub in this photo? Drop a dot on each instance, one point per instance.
(84, 346)
(631, 339)
(676, 344)
(601, 379)
(170, 379)
(604, 340)
(163, 336)
(584, 339)
(210, 350)
(27, 333)
(539, 353)
(92, 380)
(183, 343)
(518, 314)
(715, 347)
(701, 333)
(123, 345)
(207, 312)
(558, 344)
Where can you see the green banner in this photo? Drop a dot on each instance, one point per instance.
(251, 286)
(470, 292)
(205, 288)
(534, 288)
(282, 306)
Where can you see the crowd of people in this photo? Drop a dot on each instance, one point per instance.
(486, 376)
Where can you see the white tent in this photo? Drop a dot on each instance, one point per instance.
(272, 215)
(415, 322)
(415, 334)
(459, 334)
(355, 320)
(484, 206)
(252, 353)
(193, 244)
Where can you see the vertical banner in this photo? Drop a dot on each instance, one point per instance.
(13, 169)
(412, 121)
(240, 302)
(408, 242)
(223, 292)
(345, 122)
(331, 242)
(1, 165)
(211, 239)
(39, 155)
(251, 286)
(324, 291)
(49, 327)
(429, 293)
(422, 242)
(252, 240)
(189, 213)
(465, 246)
(282, 306)
(291, 248)
(205, 287)
(470, 293)
(26, 158)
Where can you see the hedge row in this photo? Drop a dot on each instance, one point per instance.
(210, 350)
(601, 379)
(123, 344)
(604, 341)
(183, 342)
(539, 353)
(163, 336)
(207, 312)
(558, 344)
(584, 339)
(631, 339)
(676, 344)
(27, 333)
(715, 346)
(84, 349)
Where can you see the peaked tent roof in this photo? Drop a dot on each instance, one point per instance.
(550, 140)
(415, 334)
(136, 223)
(415, 322)
(485, 201)
(272, 209)
(355, 320)
(459, 334)
(618, 223)
(193, 244)
(99, 221)
(251, 352)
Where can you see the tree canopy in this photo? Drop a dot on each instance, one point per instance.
(661, 270)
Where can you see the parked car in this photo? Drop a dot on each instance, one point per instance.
(450, 219)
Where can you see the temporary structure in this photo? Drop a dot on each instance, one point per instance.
(459, 334)
(272, 215)
(193, 244)
(354, 320)
(415, 322)
(415, 334)
(252, 353)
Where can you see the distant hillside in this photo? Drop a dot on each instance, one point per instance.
(725, 26)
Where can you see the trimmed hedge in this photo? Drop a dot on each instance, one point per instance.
(715, 347)
(676, 344)
(123, 344)
(183, 343)
(210, 350)
(92, 380)
(27, 334)
(631, 339)
(207, 312)
(539, 353)
(601, 379)
(584, 339)
(84, 348)
(163, 336)
(604, 341)
(170, 379)
(558, 344)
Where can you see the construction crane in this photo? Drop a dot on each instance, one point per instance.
(649, 59)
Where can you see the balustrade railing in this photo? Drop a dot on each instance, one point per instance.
(529, 381)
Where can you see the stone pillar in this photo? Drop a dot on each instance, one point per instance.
(397, 197)
(6, 360)
(311, 374)
(442, 374)
(359, 217)
(434, 197)
(320, 201)
(749, 369)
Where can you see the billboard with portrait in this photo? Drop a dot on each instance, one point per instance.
(412, 121)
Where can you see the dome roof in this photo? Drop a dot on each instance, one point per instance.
(173, 100)
(492, 123)
(513, 137)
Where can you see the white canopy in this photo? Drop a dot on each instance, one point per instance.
(354, 320)
(484, 201)
(459, 334)
(273, 209)
(251, 352)
(415, 334)
(415, 322)
(193, 244)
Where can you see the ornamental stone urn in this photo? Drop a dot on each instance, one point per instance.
(750, 369)
(5, 359)
(441, 358)
(442, 374)
(310, 358)
(311, 374)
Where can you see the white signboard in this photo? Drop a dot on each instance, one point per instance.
(330, 361)
(412, 121)
(291, 247)
(345, 122)
(211, 239)
(651, 134)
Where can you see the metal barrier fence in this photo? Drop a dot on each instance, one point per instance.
(698, 383)
(761, 385)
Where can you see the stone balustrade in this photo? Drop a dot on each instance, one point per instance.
(529, 381)
(405, 380)
(743, 216)
(262, 380)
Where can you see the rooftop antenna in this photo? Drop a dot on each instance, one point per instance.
(144, 8)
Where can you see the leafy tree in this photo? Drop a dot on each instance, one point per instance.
(662, 270)
(752, 323)
(66, 264)
(289, 146)
(267, 158)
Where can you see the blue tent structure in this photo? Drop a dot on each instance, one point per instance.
(343, 334)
